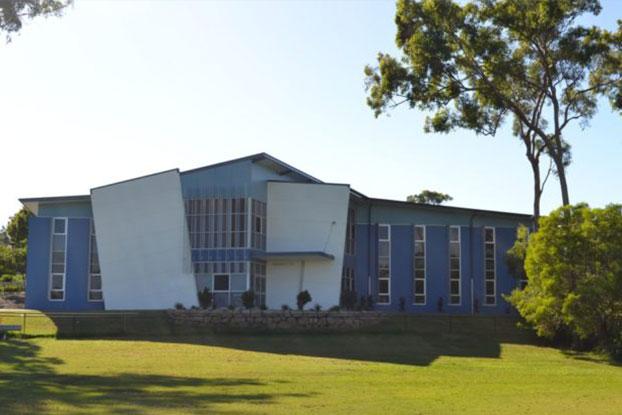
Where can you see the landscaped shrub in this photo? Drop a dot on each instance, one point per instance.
(402, 304)
(206, 298)
(263, 307)
(317, 307)
(248, 299)
(302, 299)
(574, 267)
(285, 307)
(348, 299)
(179, 306)
(335, 308)
(366, 303)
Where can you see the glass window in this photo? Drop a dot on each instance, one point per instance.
(58, 257)
(221, 282)
(60, 226)
(384, 264)
(490, 272)
(95, 280)
(454, 266)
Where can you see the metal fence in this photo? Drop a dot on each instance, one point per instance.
(87, 324)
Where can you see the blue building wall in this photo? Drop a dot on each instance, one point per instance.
(38, 266)
(402, 219)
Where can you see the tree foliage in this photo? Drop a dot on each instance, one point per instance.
(13, 248)
(473, 64)
(17, 228)
(429, 197)
(13, 13)
(574, 270)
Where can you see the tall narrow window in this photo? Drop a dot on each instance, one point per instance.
(59, 259)
(95, 277)
(350, 237)
(384, 264)
(490, 273)
(419, 266)
(347, 279)
(258, 211)
(258, 282)
(454, 265)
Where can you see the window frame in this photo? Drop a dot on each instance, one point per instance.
(494, 269)
(425, 266)
(91, 274)
(388, 279)
(220, 274)
(459, 279)
(64, 273)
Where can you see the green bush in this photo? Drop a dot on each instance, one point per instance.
(303, 298)
(206, 298)
(248, 299)
(573, 264)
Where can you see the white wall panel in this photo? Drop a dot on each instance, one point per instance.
(143, 244)
(305, 217)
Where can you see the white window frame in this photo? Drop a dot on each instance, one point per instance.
(91, 274)
(52, 274)
(459, 242)
(494, 269)
(388, 294)
(425, 266)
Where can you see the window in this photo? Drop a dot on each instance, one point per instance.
(258, 212)
(350, 236)
(226, 280)
(95, 278)
(58, 263)
(490, 273)
(347, 279)
(384, 264)
(258, 282)
(221, 282)
(217, 223)
(454, 265)
(419, 266)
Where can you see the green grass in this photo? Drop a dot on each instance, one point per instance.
(428, 372)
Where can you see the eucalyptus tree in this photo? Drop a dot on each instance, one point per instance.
(473, 64)
(13, 13)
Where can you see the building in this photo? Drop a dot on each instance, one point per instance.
(258, 223)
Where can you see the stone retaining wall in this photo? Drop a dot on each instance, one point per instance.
(277, 320)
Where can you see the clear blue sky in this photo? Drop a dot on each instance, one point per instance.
(115, 90)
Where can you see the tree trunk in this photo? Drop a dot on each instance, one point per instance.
(561, 174)
(537, 192)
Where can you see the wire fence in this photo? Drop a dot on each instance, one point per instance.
(87, 324)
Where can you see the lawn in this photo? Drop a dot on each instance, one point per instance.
(393, 373)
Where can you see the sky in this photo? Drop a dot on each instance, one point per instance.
(115, 90)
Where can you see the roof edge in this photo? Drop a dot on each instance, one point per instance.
(454, 208)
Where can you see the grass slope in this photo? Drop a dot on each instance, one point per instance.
(432, 373)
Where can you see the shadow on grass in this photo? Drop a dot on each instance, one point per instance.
(32, 382)
(417, 345)
(591, 357)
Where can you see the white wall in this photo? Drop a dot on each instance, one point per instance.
(143, 244)
(305, 217)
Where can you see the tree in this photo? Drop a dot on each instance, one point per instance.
(429, 197)
(14, 12)
(474, 64)
(17, 228)
(574, 270)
